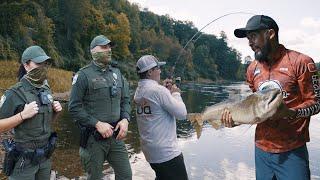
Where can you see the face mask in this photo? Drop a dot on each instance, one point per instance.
(102, 58)
(37, 75)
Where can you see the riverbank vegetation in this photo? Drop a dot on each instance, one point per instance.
(65, 28)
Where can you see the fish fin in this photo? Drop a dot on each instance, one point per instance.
(215, 124)
(196, 121)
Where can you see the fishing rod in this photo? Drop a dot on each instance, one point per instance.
(171, 74)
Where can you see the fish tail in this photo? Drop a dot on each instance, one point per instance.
(197, 122)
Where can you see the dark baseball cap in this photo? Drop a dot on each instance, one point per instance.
(257, 22)
(100, 41)
(35, 54)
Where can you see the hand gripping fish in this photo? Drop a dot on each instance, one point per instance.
(254, 109)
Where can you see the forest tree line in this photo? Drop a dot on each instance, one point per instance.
(65, 28)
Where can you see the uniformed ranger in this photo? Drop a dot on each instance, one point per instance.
(34, 140)
(100, 104)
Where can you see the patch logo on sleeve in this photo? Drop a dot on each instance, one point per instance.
(312, 67)
(74, 79)
(3, 99)
(256, 72)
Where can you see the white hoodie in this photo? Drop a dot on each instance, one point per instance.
(156, 111)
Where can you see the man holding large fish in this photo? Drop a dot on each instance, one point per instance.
(280, 143)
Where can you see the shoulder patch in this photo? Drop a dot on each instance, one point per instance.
(312, 67)
(74, 79)
(3, 99)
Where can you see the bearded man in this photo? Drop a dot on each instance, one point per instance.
(280, 143)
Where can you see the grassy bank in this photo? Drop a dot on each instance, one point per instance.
(59, 80)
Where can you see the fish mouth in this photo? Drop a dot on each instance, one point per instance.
(274, 98)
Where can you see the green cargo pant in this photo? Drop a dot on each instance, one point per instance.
(24, 170)
(112, 150)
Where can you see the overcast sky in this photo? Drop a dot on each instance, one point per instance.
(298, 21)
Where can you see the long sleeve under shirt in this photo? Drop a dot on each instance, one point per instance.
(156, 112)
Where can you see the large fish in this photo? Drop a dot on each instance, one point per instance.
(255, 108)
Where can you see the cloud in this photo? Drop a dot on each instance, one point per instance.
(292, 36)
(303, 41)
(310, 22)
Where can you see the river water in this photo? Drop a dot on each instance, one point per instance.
(218, 154)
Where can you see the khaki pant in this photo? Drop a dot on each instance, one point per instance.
(112, 150)
(24, 170)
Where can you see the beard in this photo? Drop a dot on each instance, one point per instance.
(262, 55)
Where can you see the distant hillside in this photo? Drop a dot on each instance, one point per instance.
(65, 28)
(59, 80)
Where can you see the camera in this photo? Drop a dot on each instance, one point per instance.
(45, 98)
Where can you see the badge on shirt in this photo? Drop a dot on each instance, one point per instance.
(74, 79)
(115, 76)
(3, 99)
(312, 67)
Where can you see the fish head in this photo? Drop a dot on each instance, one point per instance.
(272, 98)
(268, 101)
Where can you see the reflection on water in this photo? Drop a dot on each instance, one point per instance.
(218, 154)
(229, 153)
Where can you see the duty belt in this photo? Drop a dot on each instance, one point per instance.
(32, 145)
(37, 151)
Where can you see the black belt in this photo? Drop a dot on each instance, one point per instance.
(32, 145)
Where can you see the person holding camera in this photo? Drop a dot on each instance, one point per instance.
(100, 104)
(34, 140)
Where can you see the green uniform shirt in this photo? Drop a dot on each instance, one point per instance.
(37, 128)
(99, 95)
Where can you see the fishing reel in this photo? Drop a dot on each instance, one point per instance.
(177, 81)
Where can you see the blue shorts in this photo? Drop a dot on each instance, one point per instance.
(291, 165)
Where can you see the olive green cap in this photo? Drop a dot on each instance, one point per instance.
(35, 54)
(100, 41)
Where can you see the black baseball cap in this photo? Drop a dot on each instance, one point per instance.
(257, 22)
